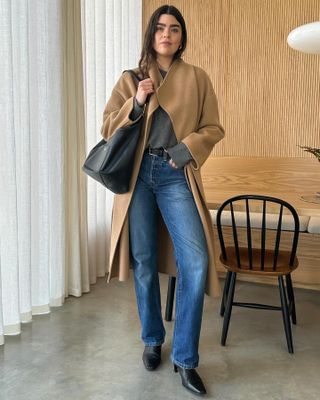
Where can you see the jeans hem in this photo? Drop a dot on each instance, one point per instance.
(158, 343)
(182, 365)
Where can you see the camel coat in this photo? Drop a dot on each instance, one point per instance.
(187, 95)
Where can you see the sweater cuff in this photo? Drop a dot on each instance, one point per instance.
(136, 111)
(180, 154)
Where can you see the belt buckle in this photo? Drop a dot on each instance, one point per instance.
(155, 152)
(166, 154)
(161, 152)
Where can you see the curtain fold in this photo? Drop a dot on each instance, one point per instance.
(77, 271)
(111, 38)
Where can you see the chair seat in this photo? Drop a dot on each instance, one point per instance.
(283, 267)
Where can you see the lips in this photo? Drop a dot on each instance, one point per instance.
(167, 43)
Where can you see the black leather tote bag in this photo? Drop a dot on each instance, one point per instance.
(111, 161)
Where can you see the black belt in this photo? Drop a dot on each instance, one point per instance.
(160, 152)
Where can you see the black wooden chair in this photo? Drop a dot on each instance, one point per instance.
(170, 298)
(258, 260)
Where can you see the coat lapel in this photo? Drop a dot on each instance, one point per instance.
(159, 83)
(176, 93)
(156, 78)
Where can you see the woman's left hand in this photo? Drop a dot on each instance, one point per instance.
(172, 163)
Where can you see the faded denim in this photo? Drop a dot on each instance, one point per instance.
(161, 186)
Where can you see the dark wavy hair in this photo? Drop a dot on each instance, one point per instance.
(148, 53)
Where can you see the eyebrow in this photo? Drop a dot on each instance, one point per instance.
(173, 25)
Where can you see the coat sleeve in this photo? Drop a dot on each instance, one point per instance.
(119, 107)
(209, 132)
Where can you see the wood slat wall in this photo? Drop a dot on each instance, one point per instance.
(269, 94)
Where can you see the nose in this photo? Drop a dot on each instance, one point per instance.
(166, 32)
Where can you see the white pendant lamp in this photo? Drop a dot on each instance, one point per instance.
(306, 38)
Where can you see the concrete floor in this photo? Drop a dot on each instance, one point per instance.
(90, 349)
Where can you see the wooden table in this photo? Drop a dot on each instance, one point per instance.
(286, 178)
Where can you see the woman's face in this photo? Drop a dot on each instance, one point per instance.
(168, 36)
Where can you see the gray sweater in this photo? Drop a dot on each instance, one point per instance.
(162, 134)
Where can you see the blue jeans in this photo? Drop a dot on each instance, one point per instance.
(161, 186)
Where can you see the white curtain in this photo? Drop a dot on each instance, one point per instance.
(44, 214)
(32, 260)
(111, 31)
(76, 235)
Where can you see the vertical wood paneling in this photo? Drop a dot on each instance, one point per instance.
(269, 94)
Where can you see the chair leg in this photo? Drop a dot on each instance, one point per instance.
(225, 293)
(285, 314)
(170, 298)
(228, 309)
(292, 305)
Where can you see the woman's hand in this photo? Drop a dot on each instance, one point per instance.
(172, 163)
(145, 87)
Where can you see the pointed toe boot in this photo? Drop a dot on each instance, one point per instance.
(191, 380)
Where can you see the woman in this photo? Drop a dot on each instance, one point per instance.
(166, 204)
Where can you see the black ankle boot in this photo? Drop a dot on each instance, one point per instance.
(191, 380)
(151, 357)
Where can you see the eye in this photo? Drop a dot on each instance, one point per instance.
(175, 30)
